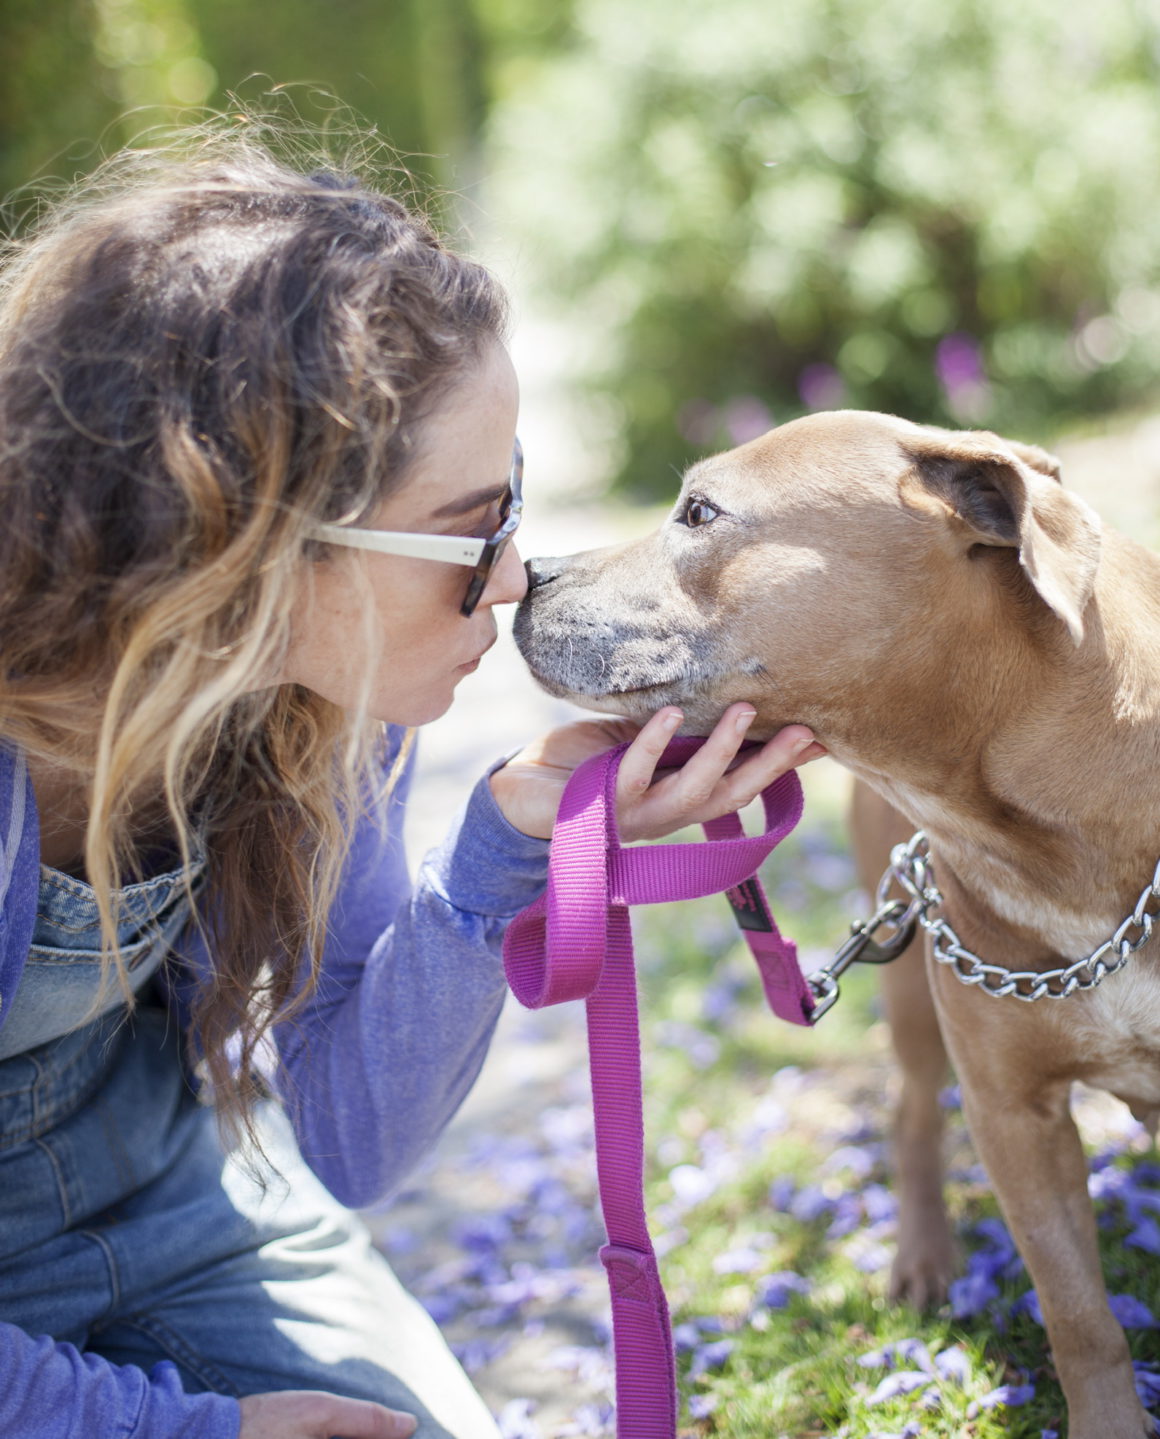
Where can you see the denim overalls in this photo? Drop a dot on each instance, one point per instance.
(127, 1232)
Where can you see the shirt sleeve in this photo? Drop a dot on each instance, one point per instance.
(50, 1390)
(385, 1050)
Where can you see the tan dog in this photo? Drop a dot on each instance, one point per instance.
(955, 628)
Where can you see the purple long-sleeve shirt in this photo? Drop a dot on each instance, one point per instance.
(374, 1066)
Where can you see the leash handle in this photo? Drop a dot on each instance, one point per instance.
(575, 942)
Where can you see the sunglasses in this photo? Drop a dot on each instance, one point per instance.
(480, 555)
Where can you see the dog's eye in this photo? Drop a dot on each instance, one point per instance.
(699, 512)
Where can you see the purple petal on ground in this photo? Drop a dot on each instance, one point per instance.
(516, 1422)
(702, 1405)
(870, 1258)
(856, 1157)
(1146, 1235)
(781, 1192)
(914, 1352)
(685, 1337)
(478, 1353)
(1147, 1383)
(1108, 1183)
(879, 1203)
(878, 1358)
(902, 1381)
(590, 1421)
(691, 1184)
(1131, 1312)
(954, 1365)
(1049, 1434)
(930, 1398)
(738, 1261)
(482, 1234)
(1012, 1395)
(971, 1294)
(951, 1097)
(774, 1290)
(1028, 1304)
(443, 1307)
(847, 1216)
(809, 1203)
(710, 1356)
(996, 1233)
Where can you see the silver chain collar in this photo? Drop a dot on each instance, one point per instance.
(896, 921)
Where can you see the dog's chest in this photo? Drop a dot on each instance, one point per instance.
(1116, 1031)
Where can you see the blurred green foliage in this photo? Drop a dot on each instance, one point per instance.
(743, 211)
(83, 77)
(946, 211)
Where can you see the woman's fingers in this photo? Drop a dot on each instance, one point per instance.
(712, 782)
(757, 771)
(639, 765)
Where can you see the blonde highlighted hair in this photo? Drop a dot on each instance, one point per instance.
(203, 352)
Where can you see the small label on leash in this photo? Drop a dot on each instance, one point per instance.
(749, 907)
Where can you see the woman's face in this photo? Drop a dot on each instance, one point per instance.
(383, 632)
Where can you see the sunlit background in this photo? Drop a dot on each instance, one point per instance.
(714, 217)
(744, 210)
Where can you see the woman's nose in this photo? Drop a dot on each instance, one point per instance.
(509, 581)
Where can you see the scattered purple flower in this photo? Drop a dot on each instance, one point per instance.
(879, 1204)
(809, 1204)
(702, 1405)
(710, 1356)
(954, 1365)
(1028, 1304)
(515, 1420)
(1131, 1312)
(859, 1158)
(821, 387)
(781, 1193)
(685, 1337)
(1011, 1395)
(902, 1381)
(1147, 1384)
(738, 1261)
(691, 1184)
(774, 1290)
(1146, 1235)
(971, 1294)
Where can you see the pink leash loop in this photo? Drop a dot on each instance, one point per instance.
(575, 942)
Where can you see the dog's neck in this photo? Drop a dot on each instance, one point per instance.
(1043, 816)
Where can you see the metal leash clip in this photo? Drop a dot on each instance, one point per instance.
(898, 919)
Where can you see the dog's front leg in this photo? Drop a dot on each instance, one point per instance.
(1031, 1150)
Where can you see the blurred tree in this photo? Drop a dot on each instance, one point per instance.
(87, 75)
(948, 211)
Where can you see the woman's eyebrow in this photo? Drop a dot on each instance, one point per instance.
(466, 503)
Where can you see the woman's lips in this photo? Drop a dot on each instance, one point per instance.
(474, 664)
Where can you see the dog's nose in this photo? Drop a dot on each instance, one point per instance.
(544, 569)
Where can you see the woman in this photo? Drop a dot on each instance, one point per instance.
(216, 376)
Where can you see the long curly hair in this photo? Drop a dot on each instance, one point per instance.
(204, 351)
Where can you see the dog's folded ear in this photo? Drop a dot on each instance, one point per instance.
(1000, 493)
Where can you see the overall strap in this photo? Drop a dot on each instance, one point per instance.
(575, 942)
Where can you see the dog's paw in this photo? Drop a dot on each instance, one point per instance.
(923, 1268)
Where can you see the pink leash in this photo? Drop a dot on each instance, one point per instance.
(576, 943)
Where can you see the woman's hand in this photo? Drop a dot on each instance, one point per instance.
(529, 787)
(311, 1414)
